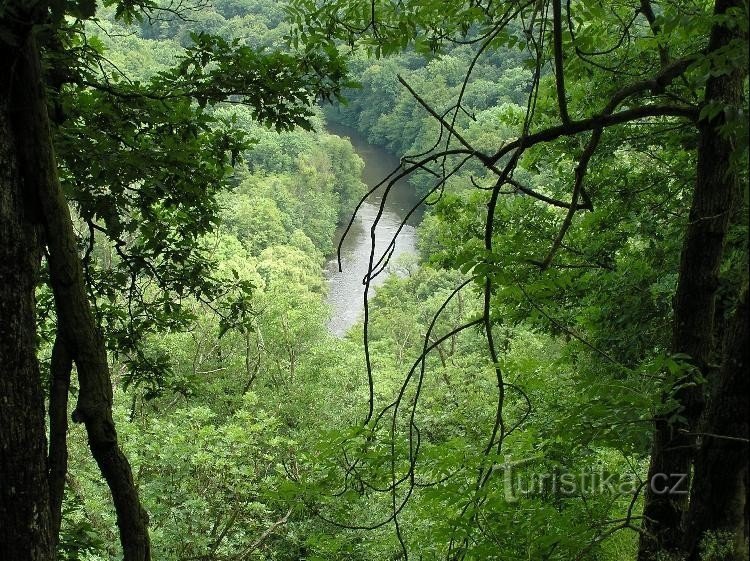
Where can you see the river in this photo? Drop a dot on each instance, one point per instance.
(345, 288)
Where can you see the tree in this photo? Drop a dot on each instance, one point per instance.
(151, 213)
(715, 199)
(668, 67)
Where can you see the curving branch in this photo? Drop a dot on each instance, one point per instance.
(648, 12)
(578, 191)
(602, 120)
(402, 482)
(76, 321)
(544, 198)
(450, 127)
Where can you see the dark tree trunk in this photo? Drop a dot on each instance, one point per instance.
(76, 323)
(716, 192)
(60, 368)
(29, 182)
(719, 494)
(24, 496)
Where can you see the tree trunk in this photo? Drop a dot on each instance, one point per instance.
(75, 319)
(718, 498)
(715, 194)
(24, 495)
(60, 369)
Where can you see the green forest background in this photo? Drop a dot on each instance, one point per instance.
(240, 412)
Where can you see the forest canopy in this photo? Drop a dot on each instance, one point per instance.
(548, 352)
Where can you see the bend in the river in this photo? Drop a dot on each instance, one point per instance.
(345, 288)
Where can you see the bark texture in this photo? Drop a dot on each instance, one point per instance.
(31, 175)
(715, 195)
(60, 369)
(76, 322)
(718, 499)
(24, 496)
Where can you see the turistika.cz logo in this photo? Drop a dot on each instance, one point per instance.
(521, 480)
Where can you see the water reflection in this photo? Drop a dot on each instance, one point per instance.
(345, 288)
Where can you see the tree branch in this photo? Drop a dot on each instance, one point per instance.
(557, 48)
(75, 318)
(648, 11)
(440, 119)
(607, 117)
(598, 121)
(580, 173)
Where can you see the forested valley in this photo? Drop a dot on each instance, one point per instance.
(373, 280)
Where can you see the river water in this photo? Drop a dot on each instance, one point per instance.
(345, 288)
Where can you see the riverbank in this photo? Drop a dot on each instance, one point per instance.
(345, 287)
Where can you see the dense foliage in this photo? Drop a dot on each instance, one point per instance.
(513, 371)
